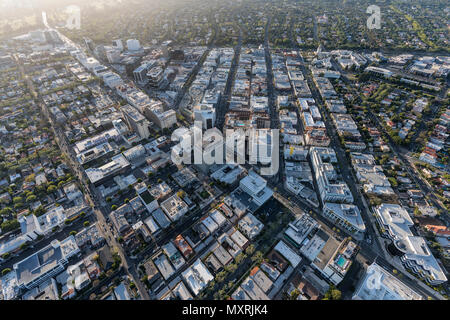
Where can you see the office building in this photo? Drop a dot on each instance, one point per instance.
(136, 121)
(378, 284)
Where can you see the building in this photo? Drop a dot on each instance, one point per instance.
(239, 294)
(174, 255)
(346, 216)
(163, 119)
(414, 253)
(334, 258)
(205, 113)
(133, 45)
(253, 290)
(379, 71)
(288, 253)
(155, 77)
(165, 268)
(160, 191)
(197, 276)
(45, 291)
(45, 263)
(255, 186)
(379, 284)
(118, 164)
(32, 226)
(140, 74)
(174, 207)
(228, 173)
(261, 279)
(181, 292)
(331, 189)
(371, 175)
(183, 246)
(118, 219)
(147, 198)
(136, 121)
(118, 44)
(250, 226)
(298, 231)
(121, 292)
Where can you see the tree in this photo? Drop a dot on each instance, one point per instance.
(220, 276)
(6, 211)
(181, 193)
(294, 294)
(31, 198)
(250, 249)
(333, 294)
(9, 225)
(6, 271)
(231, 267)
(240, 257)
(258, 257)
(17, 200)
(393, 181)
(417, 212)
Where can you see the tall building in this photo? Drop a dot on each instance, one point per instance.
(155, 76)
(413, 250)
(89, 44)
(140, 74)
(118, 44)
(100, 52)
(255, 186)
(205, 113)
(331, 188)
(113, 55)
(133, 45)
(136, 121)
(163, 119)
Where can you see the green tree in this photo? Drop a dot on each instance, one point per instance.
(250, 249)
(333, 294)
(6, 271)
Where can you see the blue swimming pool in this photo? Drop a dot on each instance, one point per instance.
(341, 262)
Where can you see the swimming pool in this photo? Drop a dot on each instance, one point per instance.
(341, 262)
